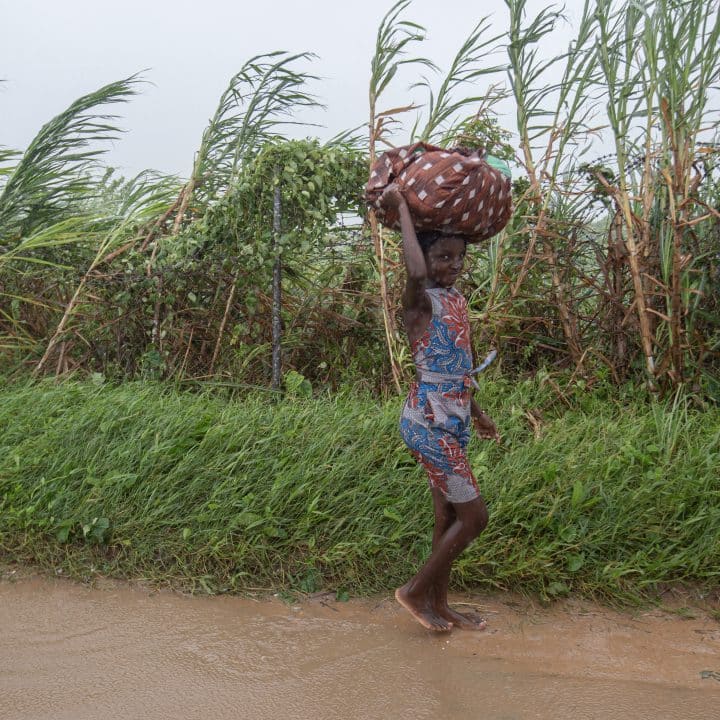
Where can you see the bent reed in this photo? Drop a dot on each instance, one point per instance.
(595, 497)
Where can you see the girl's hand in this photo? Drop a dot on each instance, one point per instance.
(392, 198)
(485, 427)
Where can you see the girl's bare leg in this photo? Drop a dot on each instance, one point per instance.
(419, 595)
(425, 610)
(444, 516)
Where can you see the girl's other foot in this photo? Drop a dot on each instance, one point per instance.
(460, 620)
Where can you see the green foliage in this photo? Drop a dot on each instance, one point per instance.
(394, 36)
(53, 177)
(609, 265)
(597, 497)
(484, 131)
(317, 183)
(259, 102)
(7, 155)
(297, 385)
(472, 63)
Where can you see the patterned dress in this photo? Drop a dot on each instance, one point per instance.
(435, 421)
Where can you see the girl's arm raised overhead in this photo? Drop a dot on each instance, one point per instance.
(414, 297)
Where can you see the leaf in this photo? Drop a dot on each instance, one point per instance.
(388, 513)
(63, 532)
(575, 562)
(297, 385)
(396, 111)
(249, 519)
(311, 582)
(274, 532)
(578, 494)
(557, 588)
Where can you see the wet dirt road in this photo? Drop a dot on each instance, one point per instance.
(71, 652)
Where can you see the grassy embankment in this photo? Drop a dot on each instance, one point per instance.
(611, 499)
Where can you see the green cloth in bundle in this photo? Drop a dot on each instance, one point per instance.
(498, 164)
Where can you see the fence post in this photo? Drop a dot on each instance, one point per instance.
(276, 290)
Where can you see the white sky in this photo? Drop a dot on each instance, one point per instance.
(54, 51)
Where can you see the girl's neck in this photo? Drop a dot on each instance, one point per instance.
(433, 285)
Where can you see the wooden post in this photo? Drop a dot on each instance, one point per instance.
(276, 292)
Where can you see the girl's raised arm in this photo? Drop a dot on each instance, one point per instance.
(415, 265)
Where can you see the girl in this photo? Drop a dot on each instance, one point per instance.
(435, 422)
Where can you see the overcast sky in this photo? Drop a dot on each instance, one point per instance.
(54, 51)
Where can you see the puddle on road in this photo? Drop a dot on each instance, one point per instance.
(70, 652)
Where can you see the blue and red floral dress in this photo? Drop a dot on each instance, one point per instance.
(435, 421)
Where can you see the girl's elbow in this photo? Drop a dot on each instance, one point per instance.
(416, 273)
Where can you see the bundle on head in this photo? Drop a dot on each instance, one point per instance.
(455, 192)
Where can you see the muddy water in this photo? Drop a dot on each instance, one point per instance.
(72, 652)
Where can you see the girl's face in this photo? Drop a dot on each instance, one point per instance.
(445, 260)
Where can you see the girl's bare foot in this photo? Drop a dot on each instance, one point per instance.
(460, 620)
(422, 612)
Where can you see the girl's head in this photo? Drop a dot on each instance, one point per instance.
(444, 256)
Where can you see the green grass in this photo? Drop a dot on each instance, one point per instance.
(612, 499)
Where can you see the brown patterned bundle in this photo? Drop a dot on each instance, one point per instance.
(449, 191)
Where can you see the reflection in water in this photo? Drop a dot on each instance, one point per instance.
(68, 651)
